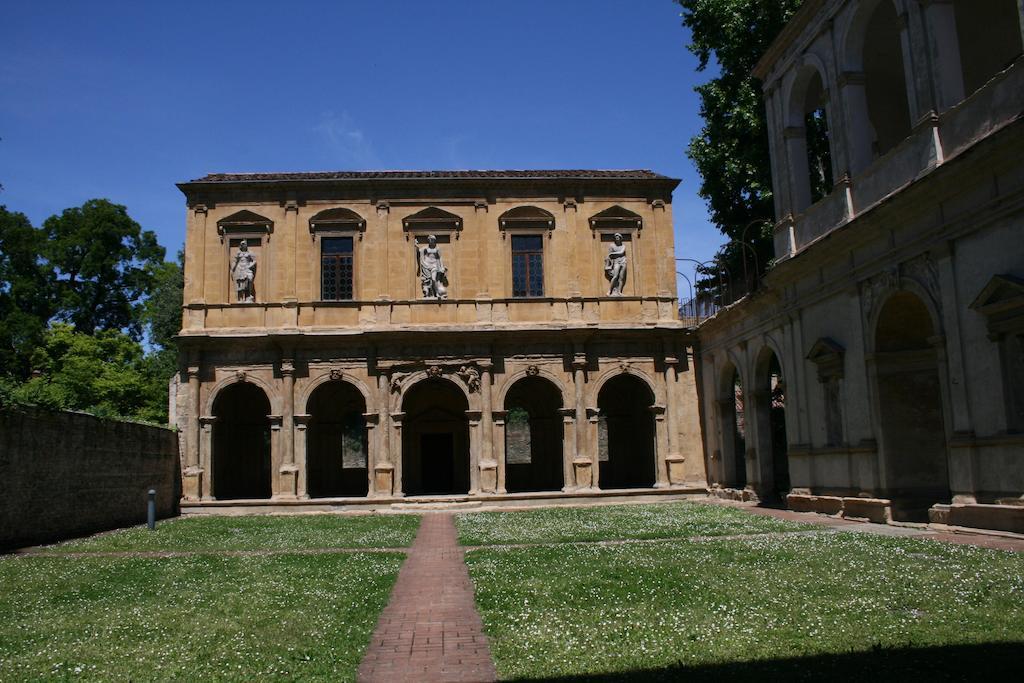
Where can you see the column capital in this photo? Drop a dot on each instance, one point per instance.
(275, 421)
(396, 418)
(302, 421)
(193, 372)
(207, 420)
(372, 419)
(593, 414)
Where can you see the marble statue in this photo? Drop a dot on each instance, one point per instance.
(615, 266)
(433, 274)
(243, 270)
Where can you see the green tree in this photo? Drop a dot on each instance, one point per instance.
(105, 265)
(731, 151)
(26, 293)
(105, 373)
(162, 315)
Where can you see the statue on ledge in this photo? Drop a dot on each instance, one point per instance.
(615, 266)
(433, 274)
(243, 270)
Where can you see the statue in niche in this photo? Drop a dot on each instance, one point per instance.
(243, 270)
(615, 266)
(433, 274)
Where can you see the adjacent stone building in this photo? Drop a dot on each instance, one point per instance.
(879, 371)
(365, 336)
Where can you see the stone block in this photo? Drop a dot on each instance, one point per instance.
(877, 510)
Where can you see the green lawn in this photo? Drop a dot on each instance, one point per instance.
(614, 522)
(268, 532)
(205, 614)
(831, 606)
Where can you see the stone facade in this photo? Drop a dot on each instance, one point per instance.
(880, 363)
(365, 370)
(67, 474)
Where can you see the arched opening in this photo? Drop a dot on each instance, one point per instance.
(885, 83)
(241, 443)
(336, 446)
(626, 433)
(913, 434)
(533, 436)
(989, 37)
(771, 423)
(435, 439)
(732, 425)
(811, 154)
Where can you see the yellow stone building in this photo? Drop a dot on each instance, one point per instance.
(356, 338)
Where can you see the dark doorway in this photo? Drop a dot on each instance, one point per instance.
(910, 408)
(336, 446)
(241, 443)
(435, 439)
(533, 436)
(626, 434)
(437, 457)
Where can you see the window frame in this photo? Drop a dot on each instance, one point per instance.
(335, 234)
(512, 235)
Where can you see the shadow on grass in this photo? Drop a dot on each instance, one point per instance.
(948, 663)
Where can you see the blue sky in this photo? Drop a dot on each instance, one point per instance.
(122, 100)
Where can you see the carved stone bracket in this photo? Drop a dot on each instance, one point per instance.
(287, 367)
(336, 374)
(471, 376)
(240, 375)
(532, 371)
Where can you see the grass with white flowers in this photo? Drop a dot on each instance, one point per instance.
(303, 611)
(830, 605)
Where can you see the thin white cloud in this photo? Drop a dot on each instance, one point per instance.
(347, 140)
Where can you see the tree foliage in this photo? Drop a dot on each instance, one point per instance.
(731, 151)
(26, 292)
(105, 265)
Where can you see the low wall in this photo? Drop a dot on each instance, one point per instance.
(65, 474)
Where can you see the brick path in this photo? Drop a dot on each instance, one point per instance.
(430, 630)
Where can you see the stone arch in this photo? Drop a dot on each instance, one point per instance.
(268, 390)
(337, 444)
(881, 113)
(911, 285)
(768, 410)
(302, 404)
(435, 437)
(533, 434)
(909, 405)
(407, 382)
(607, 375)
(241, 457)
(989, 37)
(567, 398)
(733, 467)
(627, 450)
(809, 117)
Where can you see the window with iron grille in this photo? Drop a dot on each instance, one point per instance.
(336, 268)
(527, 265)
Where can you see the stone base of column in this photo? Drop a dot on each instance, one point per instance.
(192, 483)
(583, 469)
(383, 479)
(488, 477)
(675, 464)
(288, 483)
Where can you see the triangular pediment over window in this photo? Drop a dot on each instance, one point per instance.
(616, 218)
(530, 217)
(432, 219)
(827, 354)
(245, 221)
(1002, 302)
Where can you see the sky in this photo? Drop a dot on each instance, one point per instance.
(121, 100)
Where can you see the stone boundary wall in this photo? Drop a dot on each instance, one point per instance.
(65, 474)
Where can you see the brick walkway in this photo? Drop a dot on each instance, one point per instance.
(430, 630)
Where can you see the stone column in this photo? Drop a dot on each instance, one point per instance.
(372, 440)
(568, 448)
(488, 466)
(289, 470)
(674, 460)
(591, 440)
(277, 460)
(291, 257)
(384, 469)
(858, 127)
(396, 456)
(206, 455)
(499, 448)
(660, 445)
(195, 287)
(474, 451)
(944, 51)
(585, 462)
(192, 477)
(301, 423)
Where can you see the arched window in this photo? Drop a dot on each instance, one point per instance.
(989, 37)
(810, 155)
(885, 81)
